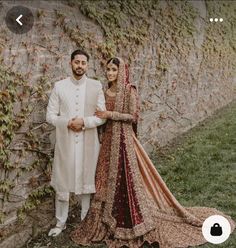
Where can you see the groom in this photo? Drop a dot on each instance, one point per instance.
(72, 104)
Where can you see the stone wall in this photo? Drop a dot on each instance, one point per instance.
(183, 65)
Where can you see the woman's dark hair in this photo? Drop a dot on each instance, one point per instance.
(114, 61)
(80, 52)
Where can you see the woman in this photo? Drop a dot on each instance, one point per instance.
(132, 204)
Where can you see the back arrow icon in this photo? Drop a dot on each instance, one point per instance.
(18, 20)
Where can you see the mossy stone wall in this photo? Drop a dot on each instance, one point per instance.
(183, 65)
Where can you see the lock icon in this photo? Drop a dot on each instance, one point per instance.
(216, 230)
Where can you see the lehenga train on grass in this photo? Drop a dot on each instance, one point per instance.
(132, 204)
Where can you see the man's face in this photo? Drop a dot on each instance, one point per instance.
(79, 65)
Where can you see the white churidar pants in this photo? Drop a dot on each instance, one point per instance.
(62, 207)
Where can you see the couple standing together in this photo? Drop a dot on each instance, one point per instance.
(125, 202)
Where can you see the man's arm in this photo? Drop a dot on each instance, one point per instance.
(93, 121)
(53, 110)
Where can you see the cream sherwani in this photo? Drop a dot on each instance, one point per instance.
(76, 154)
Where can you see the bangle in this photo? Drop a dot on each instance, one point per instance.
(111, 114)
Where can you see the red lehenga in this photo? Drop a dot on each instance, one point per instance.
(132, 204)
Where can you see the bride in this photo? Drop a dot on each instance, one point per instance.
(132, 204)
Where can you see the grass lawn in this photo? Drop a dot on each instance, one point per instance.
(199, 168)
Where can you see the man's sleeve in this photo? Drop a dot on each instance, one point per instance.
(93, 121)
(53, 111)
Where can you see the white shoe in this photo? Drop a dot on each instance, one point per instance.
(57, 230)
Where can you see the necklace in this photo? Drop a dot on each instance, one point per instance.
(111, 93)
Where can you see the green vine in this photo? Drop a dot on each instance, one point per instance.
(6, 186)
(35, 198)
(124, 24)
(9, 121)
(126, 27)
(2, 217)
(216, 46)
(17, 103)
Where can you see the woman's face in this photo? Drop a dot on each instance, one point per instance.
(112, 72)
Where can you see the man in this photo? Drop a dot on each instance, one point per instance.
(71, 109)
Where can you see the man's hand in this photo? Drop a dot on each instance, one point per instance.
(76, 124)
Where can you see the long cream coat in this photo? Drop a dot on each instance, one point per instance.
(76, 154)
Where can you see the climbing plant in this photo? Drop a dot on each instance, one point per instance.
(127, 27)
(35, 198)
(125, 24)
(18, 135)
(221, 47)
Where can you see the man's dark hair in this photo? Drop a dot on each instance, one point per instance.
(80, 52)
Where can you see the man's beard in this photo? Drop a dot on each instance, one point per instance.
(78, 73)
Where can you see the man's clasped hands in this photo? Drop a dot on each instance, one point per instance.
(76, 124)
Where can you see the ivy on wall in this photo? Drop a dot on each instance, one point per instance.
(220, 50)
(126, 27)
(35, 198)
(17, 103)
(124, 24)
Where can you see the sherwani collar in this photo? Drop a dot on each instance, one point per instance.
(78, 82)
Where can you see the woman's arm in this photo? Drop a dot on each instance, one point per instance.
(132, 116)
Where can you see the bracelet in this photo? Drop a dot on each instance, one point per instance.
(111, 114)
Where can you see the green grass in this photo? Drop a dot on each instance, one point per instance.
(198, 167)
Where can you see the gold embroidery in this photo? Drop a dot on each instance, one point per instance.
(166, 222)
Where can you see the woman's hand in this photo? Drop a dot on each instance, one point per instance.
(103, 114)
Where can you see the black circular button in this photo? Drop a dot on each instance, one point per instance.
(19, 19)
